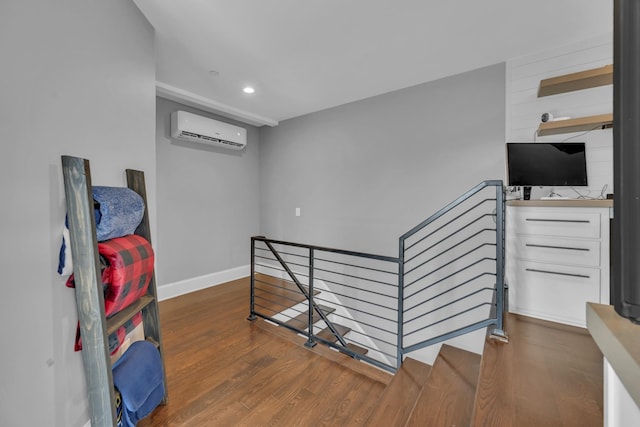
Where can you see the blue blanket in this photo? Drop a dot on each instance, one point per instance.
(118, 212)
(139, 378)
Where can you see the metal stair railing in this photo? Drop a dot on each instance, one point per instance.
(448, 280)
(290, 282)
(451, 279)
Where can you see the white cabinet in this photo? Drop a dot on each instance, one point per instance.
(557, 259)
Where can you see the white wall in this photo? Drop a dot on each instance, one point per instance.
(524, 108)
(78, 78)
(208, 207)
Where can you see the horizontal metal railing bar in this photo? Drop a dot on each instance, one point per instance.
(271, 267)
(379, 340)
(364, 323)
(451, 221)
(448, 304)
(273, 259)
(280, 297)
(458, 230)
(331, 344)
(355, 277)
(449, 276)
(355, 355)
(466, 282)
(445, 250)
(446, 264)
(280, 323)
(368, 347)
(288, 279)
(286, 307)
(308, 294)
(448, 318)
(357, 299)
(334, 304)
(449, 335)
(332, 250)
(355, 287)
(361, 344)
(306, 256)
(450, 206)
(273, 285)
(394, 273)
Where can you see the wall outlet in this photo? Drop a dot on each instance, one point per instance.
(297, 211)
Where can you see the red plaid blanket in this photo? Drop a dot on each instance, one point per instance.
(126, 273)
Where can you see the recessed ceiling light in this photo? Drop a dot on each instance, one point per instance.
(248, 89)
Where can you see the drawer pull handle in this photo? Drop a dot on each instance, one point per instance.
(580, 221)
(582, 276)
(531, 245)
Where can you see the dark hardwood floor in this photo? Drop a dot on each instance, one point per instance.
(223, 370)
(548, 375)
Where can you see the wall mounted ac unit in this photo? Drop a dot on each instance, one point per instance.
(191, 127)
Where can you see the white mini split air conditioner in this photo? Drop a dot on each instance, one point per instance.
(191, 127)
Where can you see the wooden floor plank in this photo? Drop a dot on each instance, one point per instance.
(223, 370)
(548, 375)
(447, 398)
(394, 407)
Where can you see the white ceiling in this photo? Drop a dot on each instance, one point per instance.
(307, 55)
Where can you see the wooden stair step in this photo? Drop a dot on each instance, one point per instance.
(448, 396)
(326, 334)
(301, 321)
(395, 405)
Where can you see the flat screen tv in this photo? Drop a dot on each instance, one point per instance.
(546, 164)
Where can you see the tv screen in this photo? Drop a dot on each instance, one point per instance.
(546, 164)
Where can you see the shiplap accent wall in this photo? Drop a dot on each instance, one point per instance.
(524, 108)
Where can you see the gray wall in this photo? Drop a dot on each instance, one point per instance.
(365, 172)
(78, 78)
(208, 205)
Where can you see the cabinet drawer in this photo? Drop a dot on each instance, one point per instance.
(565, 251)
(576, 224)
(553, 292)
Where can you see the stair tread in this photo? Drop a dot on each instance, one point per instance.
(395, 405)
(301, 321)
(448, 395)
(328, 335)
(357, 349)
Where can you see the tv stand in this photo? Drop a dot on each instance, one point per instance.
(557, 257)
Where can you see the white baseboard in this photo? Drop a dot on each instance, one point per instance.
(172, 290)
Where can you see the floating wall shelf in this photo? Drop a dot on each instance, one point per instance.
(576, 81)
(581, 124)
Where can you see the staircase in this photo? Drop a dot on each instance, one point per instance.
(548, 375)
(447, 281)
(420, 395)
